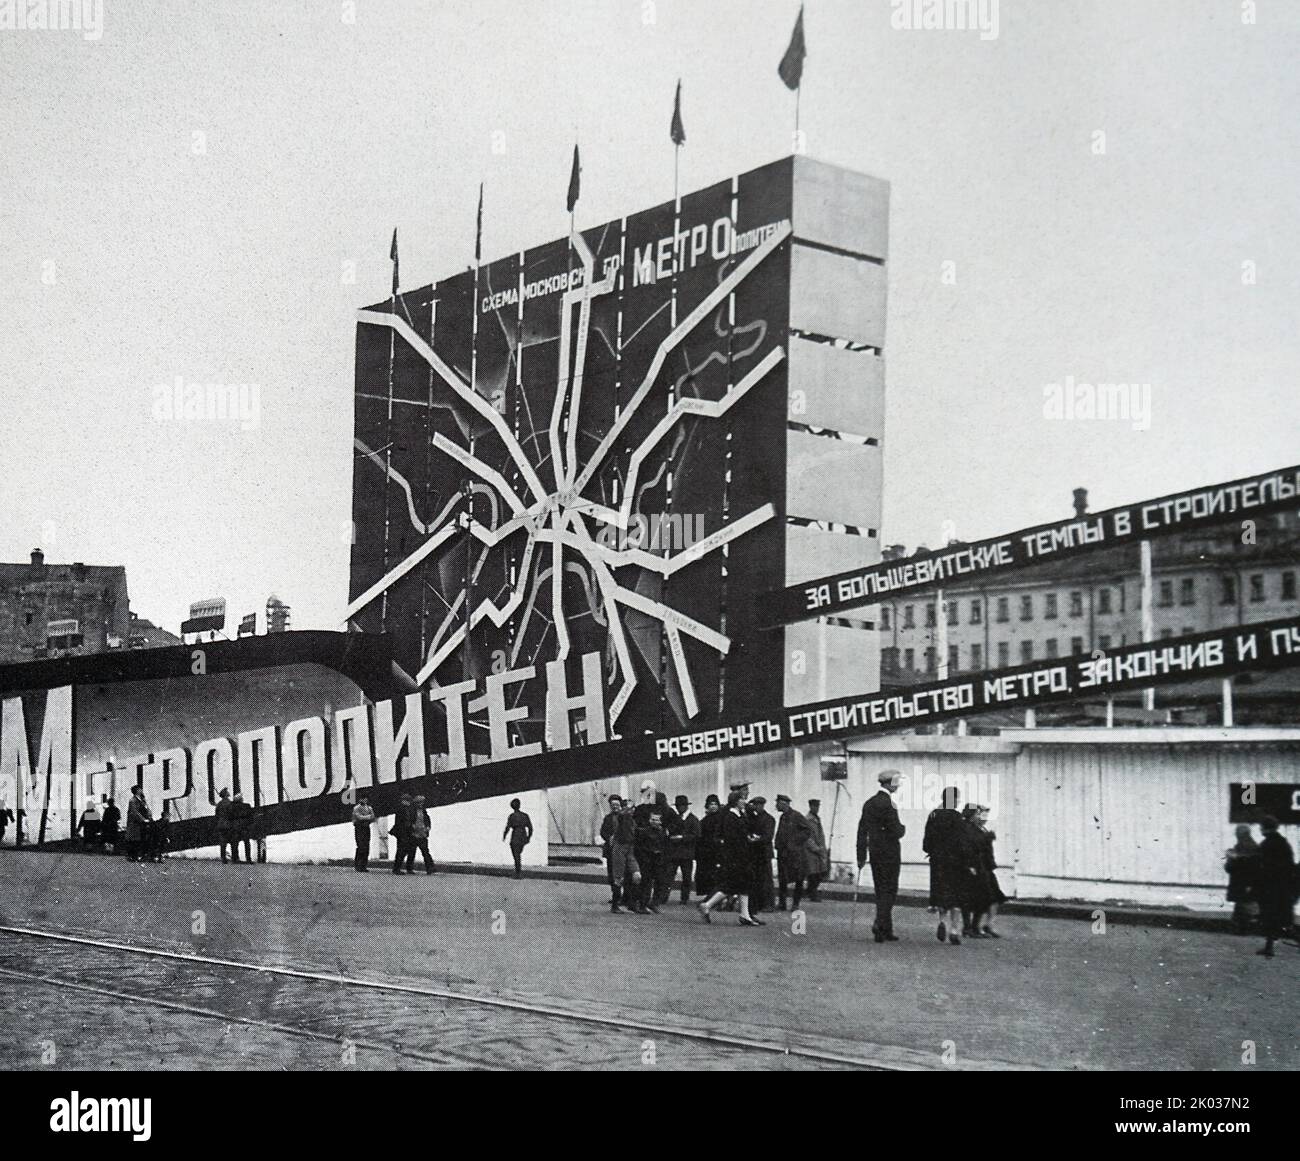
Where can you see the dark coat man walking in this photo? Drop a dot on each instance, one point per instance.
(879, 831)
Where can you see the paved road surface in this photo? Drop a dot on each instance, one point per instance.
(1051, 994)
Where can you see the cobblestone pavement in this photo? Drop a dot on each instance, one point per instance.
(1053, 993)
(87, 1008)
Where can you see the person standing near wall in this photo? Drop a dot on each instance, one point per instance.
(792, 835)
(879, 832)
(762, 828)
(951, 869)
(225, 837)
(1275, 885)
(651, 821)
(682, 847)
(608, 831)
(109, 830)
(519, 830)
(401, 831)
(363, 818)
(1240, 862)
(241, 827)
(819, 855)
(419, 841)
(138, 818)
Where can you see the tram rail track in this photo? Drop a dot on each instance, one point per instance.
(706, 1039)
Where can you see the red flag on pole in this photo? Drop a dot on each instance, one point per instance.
(790, 69)
(574, 180)
(678, 130)
(392, 253)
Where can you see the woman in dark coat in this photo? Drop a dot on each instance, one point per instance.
(947, 841)
(108, 831)
(1239, 863)
(708, 848)
(736, 870)
(987, 891)
(1274, 884)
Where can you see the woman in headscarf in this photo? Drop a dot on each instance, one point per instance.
(947, 842)
(736, 872)
(89, 825)
(1239, 862)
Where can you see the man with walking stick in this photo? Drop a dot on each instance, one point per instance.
(879, 832)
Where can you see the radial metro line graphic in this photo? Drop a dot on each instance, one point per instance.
(559, 517)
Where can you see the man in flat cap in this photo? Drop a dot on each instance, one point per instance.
(762, 831)
(792, 834)
(879, 832)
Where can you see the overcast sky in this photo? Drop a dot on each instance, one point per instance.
(183, 197)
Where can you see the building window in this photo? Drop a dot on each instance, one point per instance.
(909, 660)
(1103, 600)
(1026, 651)
(976, 657)
(1288, 586)
(889, 659)
(953, 663)
(931, 660)
(1051, 647)
(1076, 644)
(909, 617)
(1004, 608)
(1227, 590)
(1027, 607)
(1256, 588)
(929, 614)
(1165, 634)
(884, 616)
(1049, 607)
(952, 611)
(1166, 599)
(1103, 641)
(977, 610)
(1188, 630)
(1187, 591)
(1076, 604)
(1004, 653)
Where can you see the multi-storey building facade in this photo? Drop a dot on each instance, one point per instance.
(1200, 582)
(49, 610)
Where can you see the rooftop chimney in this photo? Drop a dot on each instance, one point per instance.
(38, 558)
(1080, 501)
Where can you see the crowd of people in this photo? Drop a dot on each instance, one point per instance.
(725, 857)
(144, 839)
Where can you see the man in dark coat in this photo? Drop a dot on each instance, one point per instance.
(879, 831)
(241, 826)
(762, 828)
(401, 831)
(708, 848)
(608, 830)
(682, 845)
(138, 818)
(1274, 884)
(112, 821)
(225, 837)
(819, 855)
(792, 835)
(654, 820)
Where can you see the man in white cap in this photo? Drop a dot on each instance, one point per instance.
(879, 832)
